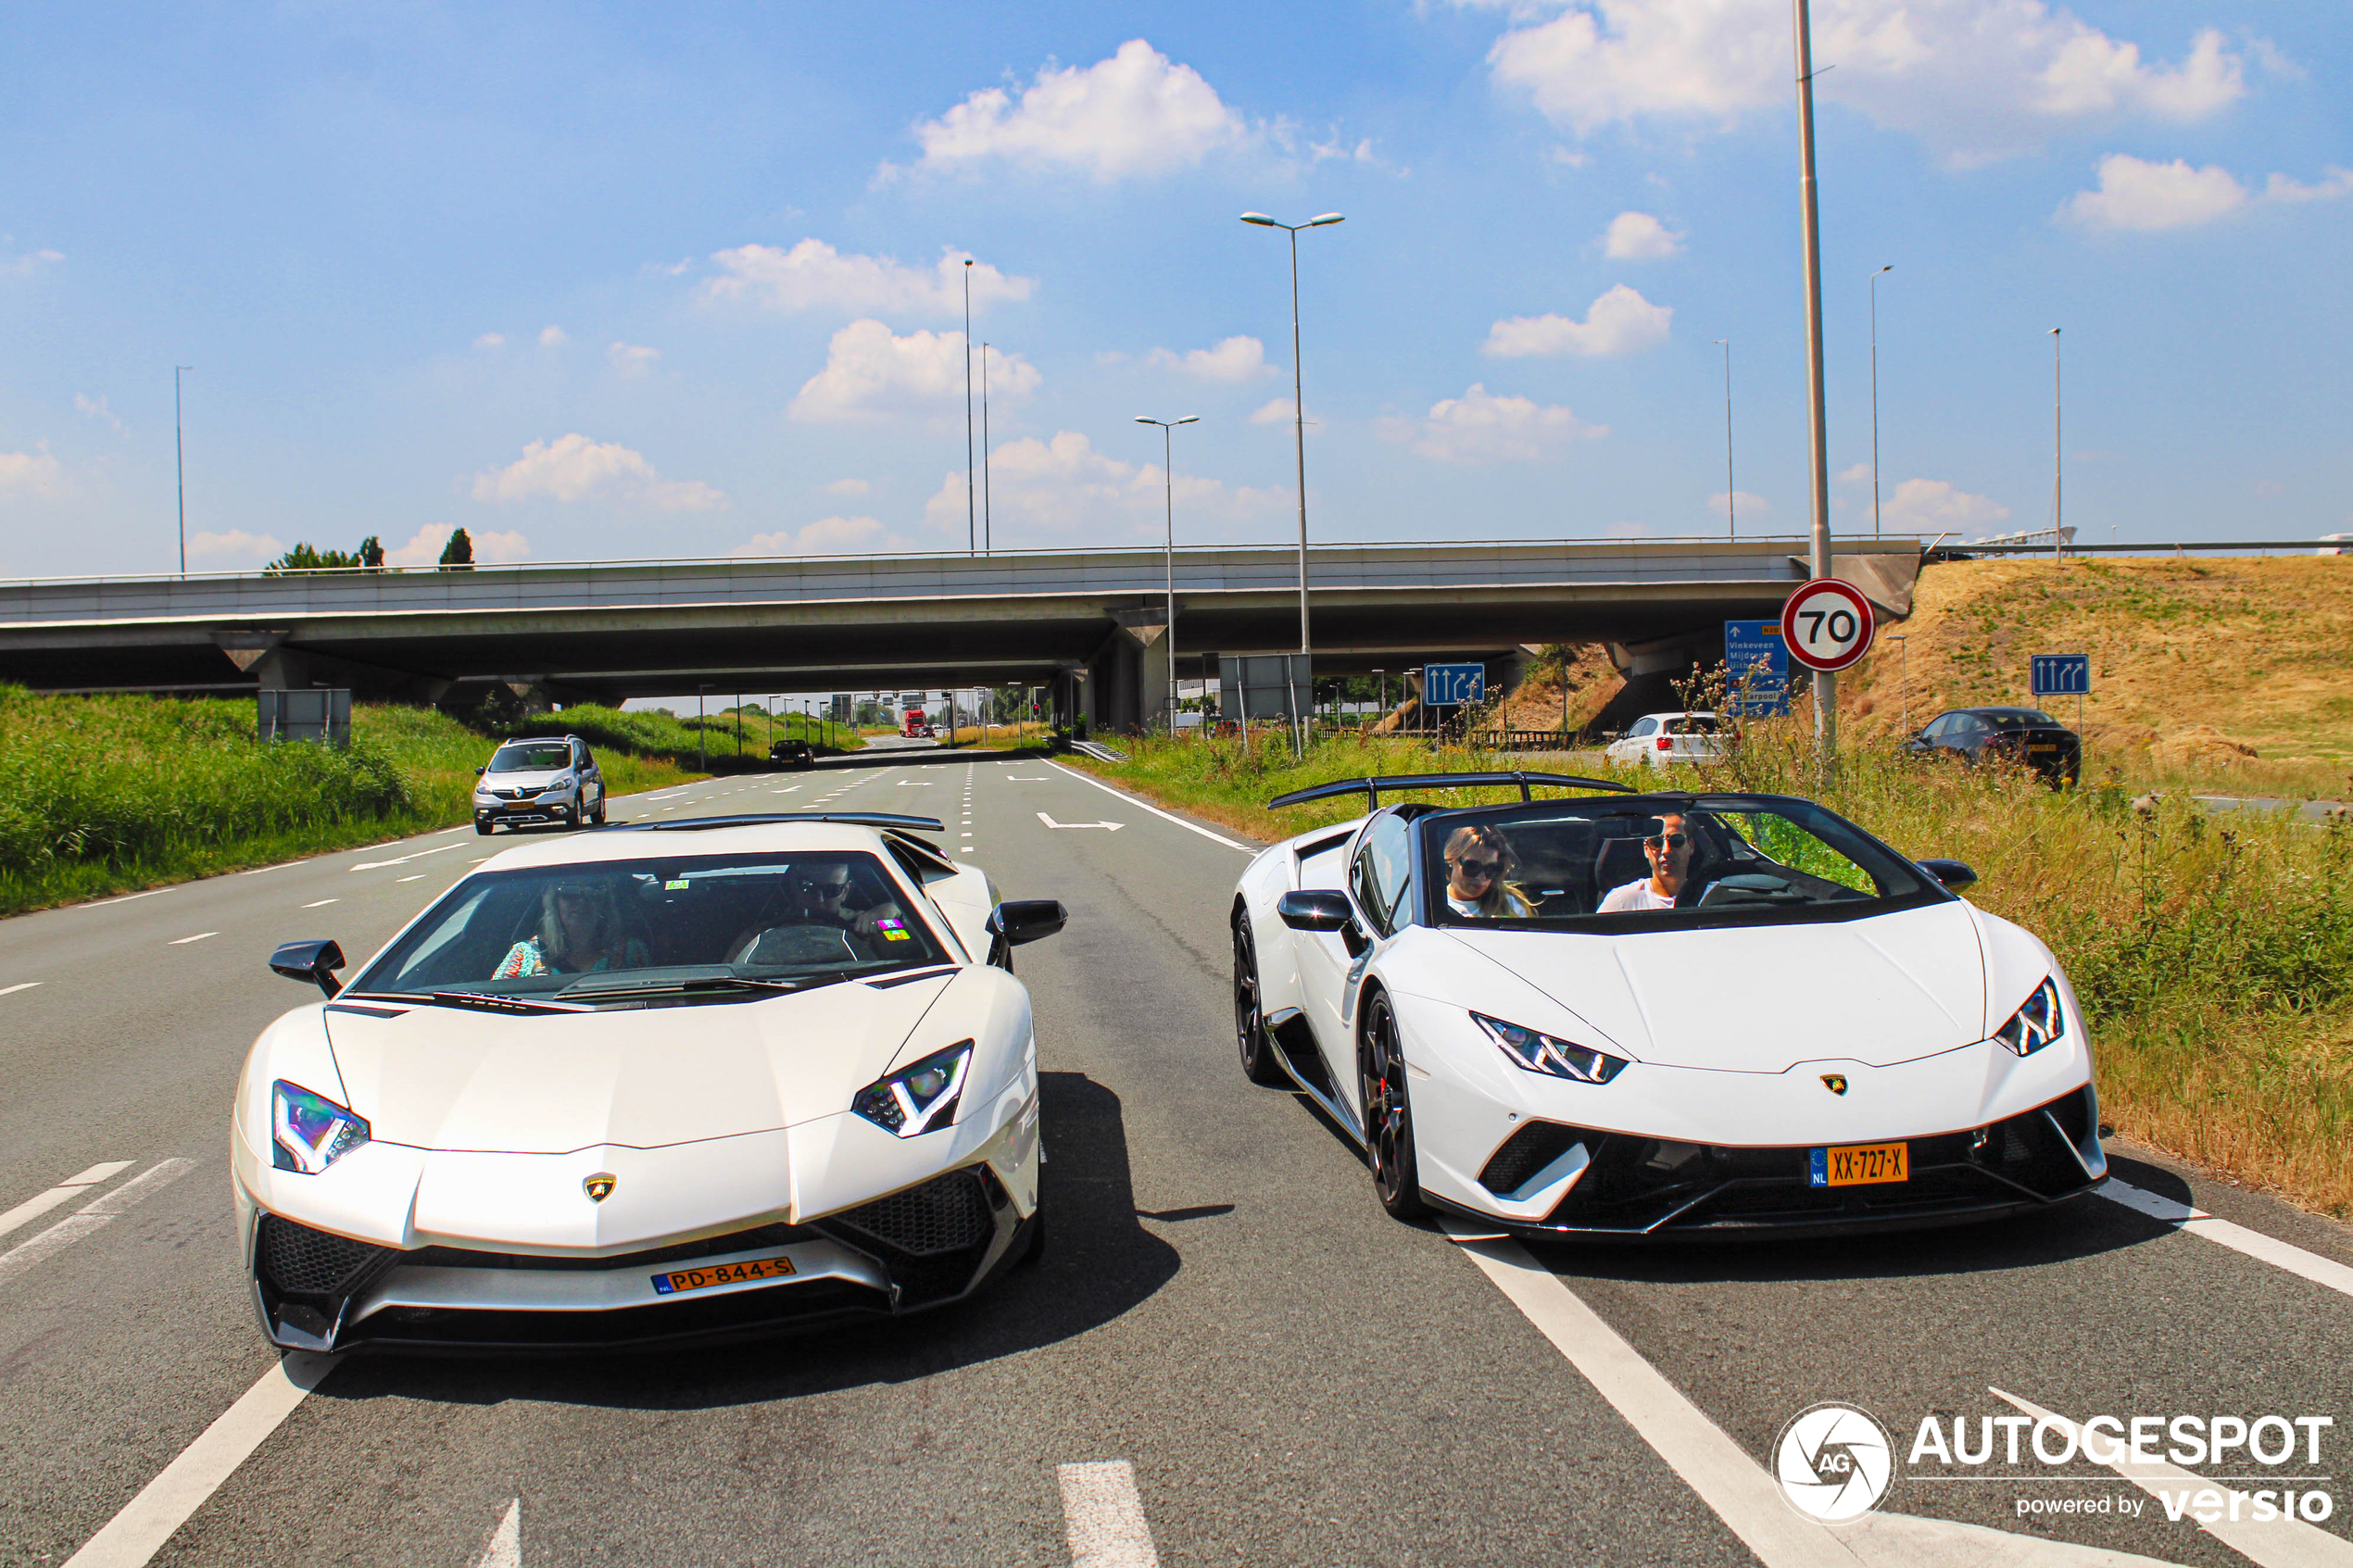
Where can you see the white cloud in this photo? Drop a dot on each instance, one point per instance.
(1976, 80)
(234, 547)
(1275, 411)
(491, 548)
(1136, 113)
(1620, 321)
(828, 536)
(814, 275)
(2134, 193)
(1062, 485)
(870, 372)
(573, 468)
(28, 262)
(552, 337)
(491, 340)
(31, 473)
(632, 360)
(846, 487)
(1750, 505)
(1637, 236)
(1235, 359)
(96, 408)
(1480, 427)
(1932, 505)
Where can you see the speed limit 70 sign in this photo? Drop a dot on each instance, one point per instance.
(1827, 625)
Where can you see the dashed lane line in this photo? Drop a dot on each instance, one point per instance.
(403, 860)
(71, 1188)
(504, 1549)
(184, 941)
(133, 1536)
(1190, 827)
(19, 986)
(150, 893)
(92, 1217)
(323, 903)
(2320, 1271)
(1103, 1516)
(419, 877)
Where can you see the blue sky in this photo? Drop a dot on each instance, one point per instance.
(667, 281)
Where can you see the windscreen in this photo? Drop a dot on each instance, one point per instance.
(705, 920)
(1649, 863)
(531, 756)
(2017, 717)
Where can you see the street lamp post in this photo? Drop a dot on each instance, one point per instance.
(1818, 562)
(1298, 406)
(972, 535)
(1168, 489)
(1890, 267)
(1732, 496)
(2057, 539)
(180, 465)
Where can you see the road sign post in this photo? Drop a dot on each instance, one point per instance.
(2061, 674)
(1452, 686)
(1756, 669)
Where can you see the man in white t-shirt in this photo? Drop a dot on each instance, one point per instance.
(1669, 852)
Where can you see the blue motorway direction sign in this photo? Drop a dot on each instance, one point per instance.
(2061, 674)
(1445, 684)
(1756, 669)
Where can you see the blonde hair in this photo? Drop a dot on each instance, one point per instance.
(1502, 899)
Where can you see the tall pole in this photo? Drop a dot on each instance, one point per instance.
(1875, 532)
(2057, 552)
(1168, 488)
(1731, 489)
(1298, 403)
(1818, 561)
(971, 527)
(987, 542)
(180, 464)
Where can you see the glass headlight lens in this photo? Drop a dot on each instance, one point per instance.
(2037, 1021)
(309, 1131)
(919, 1098)
(1538, 1052)
(562, 781)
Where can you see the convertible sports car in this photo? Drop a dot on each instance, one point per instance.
(711, 1077)
(1626, 1015)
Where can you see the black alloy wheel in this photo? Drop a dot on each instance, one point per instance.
(1250, 1021)
(1388, 1115)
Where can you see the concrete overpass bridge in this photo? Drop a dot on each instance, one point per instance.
(1087, 623)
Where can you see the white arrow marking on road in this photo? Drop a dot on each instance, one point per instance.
(19, 986)
(184, 941)
(1052, 823)
(1104, 1517)
(505, 1548)
(32, 1208)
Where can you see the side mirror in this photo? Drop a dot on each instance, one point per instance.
(1319, 908)
(1025, 920)
(483, 769)
(314, 960)
(1952, 873)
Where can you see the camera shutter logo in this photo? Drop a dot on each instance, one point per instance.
(1834, 1462)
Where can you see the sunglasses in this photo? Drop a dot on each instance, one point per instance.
(1667, 840)
(818, 885)
(1479, 867)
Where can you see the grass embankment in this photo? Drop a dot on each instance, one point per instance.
(108, 793)
(2216, 960)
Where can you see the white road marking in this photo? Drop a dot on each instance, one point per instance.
(133, 1536)
(1052, 823)
(402, 860)
(150, 893)
(1104, 1517)
(184, 941)
(19, 986)
(92, 1217)
(422, 875)
(324, 902)
(1037, 778)
(2277, 1543)
(505, 1546)
(72, 1187)
(2320, 1271)
(281, 865)
(964, 850)
(1190, 827)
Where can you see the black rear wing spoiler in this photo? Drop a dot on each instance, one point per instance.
(1371, 787)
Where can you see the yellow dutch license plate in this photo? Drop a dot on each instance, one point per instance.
(678, 1282)
(1857, 1164)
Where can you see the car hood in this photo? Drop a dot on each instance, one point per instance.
(1890, 988)
(446, 1078)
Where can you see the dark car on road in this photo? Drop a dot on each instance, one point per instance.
(792, 752)
(2021, 735)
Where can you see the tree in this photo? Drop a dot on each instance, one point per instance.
(458, 554)
(371, 553)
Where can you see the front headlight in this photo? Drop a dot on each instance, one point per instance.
(1546, 1053)
(562, 781)
(918, 1099)
(2037, 1021)
(309, 1131)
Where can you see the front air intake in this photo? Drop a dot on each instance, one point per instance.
(943, 1215)
(298, 1261)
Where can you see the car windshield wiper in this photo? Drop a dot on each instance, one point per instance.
(622, 986)
(484, 1002)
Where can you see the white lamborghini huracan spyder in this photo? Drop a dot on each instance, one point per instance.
(705, 1078)
(1663, 1014)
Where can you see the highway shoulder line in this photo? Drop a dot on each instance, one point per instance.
(1103, 1516)
(1171, 816)
(71, 1188)
(2320, 1271)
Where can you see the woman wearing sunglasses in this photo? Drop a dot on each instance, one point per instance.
(1669, 852)
(1479, 864)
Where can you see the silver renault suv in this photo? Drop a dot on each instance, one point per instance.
(540, 781)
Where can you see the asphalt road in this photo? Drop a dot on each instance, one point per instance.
(1287, 1375)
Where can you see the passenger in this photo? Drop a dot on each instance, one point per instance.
(1669, 851)
(580, 933)
(1479, 862)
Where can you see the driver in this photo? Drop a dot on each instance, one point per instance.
(1478, 859)
(818, 894)
(580, 933)
(1669, 852)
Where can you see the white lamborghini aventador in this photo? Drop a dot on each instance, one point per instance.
(1618, 1015)
(709, 1077)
